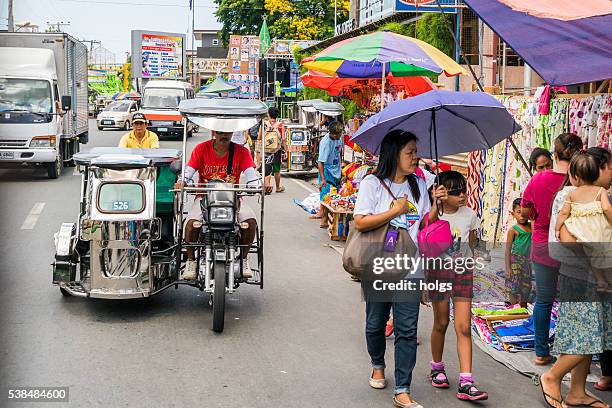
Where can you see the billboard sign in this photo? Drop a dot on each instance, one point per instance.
(426, 6)
(158, 55)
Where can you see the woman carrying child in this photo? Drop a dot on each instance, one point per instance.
(587, 215)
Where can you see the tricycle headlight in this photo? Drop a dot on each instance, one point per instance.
(221, 215)
(43, 141)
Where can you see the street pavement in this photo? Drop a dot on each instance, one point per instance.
(297, 343)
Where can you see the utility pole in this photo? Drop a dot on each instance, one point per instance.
(11, 27)
(91, 44)
(58, 25)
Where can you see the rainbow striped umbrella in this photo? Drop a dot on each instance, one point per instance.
(382, 53)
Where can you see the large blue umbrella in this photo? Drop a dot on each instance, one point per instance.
(445, 123)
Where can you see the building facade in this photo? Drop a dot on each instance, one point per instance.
(208, 60)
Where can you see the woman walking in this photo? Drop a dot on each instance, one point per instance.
(402, 202)
(584, 324)
(537, 200)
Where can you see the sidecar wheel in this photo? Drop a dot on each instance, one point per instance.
(219, 296)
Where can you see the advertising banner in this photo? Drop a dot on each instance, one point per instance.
(96, 76)
(158, 55)
(243, 63)
(285, 48)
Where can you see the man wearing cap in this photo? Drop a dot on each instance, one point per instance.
(139, 137)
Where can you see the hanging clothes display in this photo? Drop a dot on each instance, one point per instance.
(475, 165)
(502, 172)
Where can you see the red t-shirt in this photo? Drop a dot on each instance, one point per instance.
(539, 195)
(210, 166)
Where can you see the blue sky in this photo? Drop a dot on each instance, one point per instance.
(111, 21)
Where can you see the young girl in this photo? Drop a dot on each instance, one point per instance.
(464, 223)
(518, 267)
(587, 215)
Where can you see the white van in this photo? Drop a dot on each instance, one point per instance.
(160, 101)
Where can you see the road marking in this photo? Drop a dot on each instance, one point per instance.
(32, 217)
(303, 185)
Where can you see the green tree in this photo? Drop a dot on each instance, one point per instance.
(287, 19)
(239, 17)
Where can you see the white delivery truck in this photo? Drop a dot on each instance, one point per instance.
(43, 100)
(160, 101)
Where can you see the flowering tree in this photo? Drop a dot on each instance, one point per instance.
(296, 20)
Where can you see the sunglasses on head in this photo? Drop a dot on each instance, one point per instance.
(457, 191)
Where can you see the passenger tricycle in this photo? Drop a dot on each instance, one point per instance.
(128, 241)
(299, 159)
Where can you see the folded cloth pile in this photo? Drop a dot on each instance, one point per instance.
(507, 328)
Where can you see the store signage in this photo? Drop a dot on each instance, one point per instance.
(374, 10)
(345, 27)
(426, 6)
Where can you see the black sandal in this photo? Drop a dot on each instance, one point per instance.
(546, 396)
(592, 404)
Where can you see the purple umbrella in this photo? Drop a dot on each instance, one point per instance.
(444, 122)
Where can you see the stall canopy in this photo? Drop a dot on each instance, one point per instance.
(217, 86)
(335, 86)
(562, 51)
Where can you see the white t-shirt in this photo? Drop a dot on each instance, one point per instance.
(462, 222)
(373, 198)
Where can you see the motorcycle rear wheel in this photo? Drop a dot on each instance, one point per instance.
(220, 270)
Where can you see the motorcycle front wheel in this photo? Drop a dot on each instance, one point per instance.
(220, 279)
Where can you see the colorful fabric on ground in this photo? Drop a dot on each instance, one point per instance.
(511, 334)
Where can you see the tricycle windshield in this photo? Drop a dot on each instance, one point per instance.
(121, 198)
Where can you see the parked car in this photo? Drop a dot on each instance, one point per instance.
(117, 115)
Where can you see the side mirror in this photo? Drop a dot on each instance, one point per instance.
(66, 102)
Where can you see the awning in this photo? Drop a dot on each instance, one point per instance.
(561, 52)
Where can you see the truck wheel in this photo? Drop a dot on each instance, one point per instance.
(220, 270)
(55, 169)
(100, 128)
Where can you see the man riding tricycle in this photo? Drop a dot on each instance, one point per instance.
(138, 231)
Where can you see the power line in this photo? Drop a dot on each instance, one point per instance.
(126, 3)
